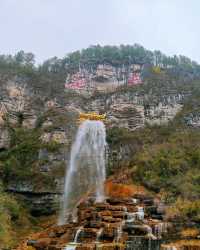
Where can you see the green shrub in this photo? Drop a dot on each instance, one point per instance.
(171, 165)
(21, 161)
(10, 211)
(185, 210)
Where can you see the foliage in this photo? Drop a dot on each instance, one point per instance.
(172, 165)
(21, 161)
(10, 213)
(116, 135)
(166, 160)
(129, 54)
(49, 77)
(15, 220)
(121, 190)
(22, 154)
(184, 209)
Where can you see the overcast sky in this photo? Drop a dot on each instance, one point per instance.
(55, 27)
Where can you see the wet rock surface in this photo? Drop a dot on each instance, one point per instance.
(117, 223)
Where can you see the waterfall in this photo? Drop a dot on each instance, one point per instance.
(70, 246)
(125, 210)
(130, 217)
(140, 213)
(120, 231)
(135, 201)
(99, 234)
(86, 167)
(160, 229)
(77, 234)
(73, 245)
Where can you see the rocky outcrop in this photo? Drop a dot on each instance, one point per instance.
(193, 120)
(133, 110)
(17, 103)
(42, 190)
(128, 108)
(56, 118)
(21, 108)
(183, 245)
(4, 138)
(117, 223)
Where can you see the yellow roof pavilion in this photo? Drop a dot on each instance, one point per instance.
(91, 116)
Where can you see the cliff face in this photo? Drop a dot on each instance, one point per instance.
(23, 111)
(133, 110)
(55, 119)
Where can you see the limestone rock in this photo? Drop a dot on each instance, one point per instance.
(4, 138)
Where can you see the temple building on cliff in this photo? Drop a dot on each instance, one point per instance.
(105, 75)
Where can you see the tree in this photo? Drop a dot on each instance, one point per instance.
(26, 59)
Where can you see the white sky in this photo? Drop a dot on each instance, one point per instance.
(55, 27)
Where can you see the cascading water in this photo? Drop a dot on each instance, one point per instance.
(87, 165)
(99, 234)
(130, 217)
(140, 213)
(120, 230)
(73, 245)
(77, 234)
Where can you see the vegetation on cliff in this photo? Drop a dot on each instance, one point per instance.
(49, 77)
(20, 162)
(165, 159)
(15, 220)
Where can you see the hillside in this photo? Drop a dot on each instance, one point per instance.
(152, 129)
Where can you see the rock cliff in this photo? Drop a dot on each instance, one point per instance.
(56, 122)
